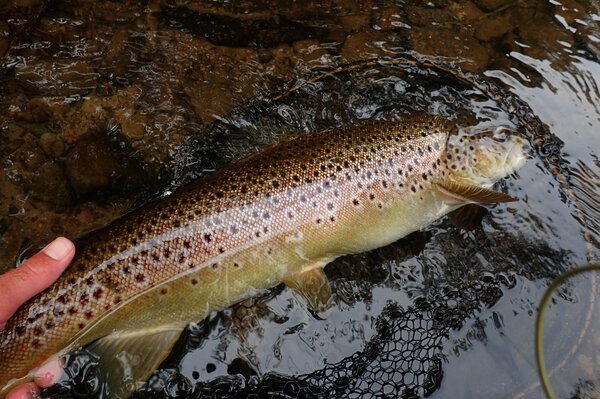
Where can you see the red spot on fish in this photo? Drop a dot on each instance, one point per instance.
(97, 293)
(35, 344)
(81, 325)
(72, 311)
(50, 324)
(37, 331)
(140, 277)
(163, 291)
(155, 257)
(88, 315)
(117, 300)
(186, 244)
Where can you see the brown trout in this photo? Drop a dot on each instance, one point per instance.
(278, 216)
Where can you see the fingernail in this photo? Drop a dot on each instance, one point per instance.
(59, 248)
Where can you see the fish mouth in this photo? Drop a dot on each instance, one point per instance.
(518, 153)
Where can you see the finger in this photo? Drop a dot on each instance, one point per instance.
(49, 373)
(25, 391)
(33, 276)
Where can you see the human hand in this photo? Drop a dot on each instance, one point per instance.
(18, 285)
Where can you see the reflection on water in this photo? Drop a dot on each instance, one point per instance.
(106, 105)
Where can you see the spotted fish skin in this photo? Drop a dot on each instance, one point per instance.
(295, 206)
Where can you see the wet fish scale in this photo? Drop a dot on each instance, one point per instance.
(245, 228)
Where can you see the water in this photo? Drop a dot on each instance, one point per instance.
(107, 105)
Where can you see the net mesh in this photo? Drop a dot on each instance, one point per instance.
(403, 359)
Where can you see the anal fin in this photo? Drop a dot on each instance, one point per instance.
(313, 286)
(459, 193)
(126, 359)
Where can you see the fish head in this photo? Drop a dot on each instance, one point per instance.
(485, 157)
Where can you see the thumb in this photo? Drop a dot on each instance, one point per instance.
(35, 275)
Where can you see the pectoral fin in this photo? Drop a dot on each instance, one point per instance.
(467, 217)
(127, 359)
(313, 286)
(459, 193)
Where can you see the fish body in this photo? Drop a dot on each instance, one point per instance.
(278, 216)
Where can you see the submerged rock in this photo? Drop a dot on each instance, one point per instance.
(49, 184)
(494, 27)
(97, 166)
(56, 78)
(449, 42)
(238, 30)
(491, 5)
(52, 145)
